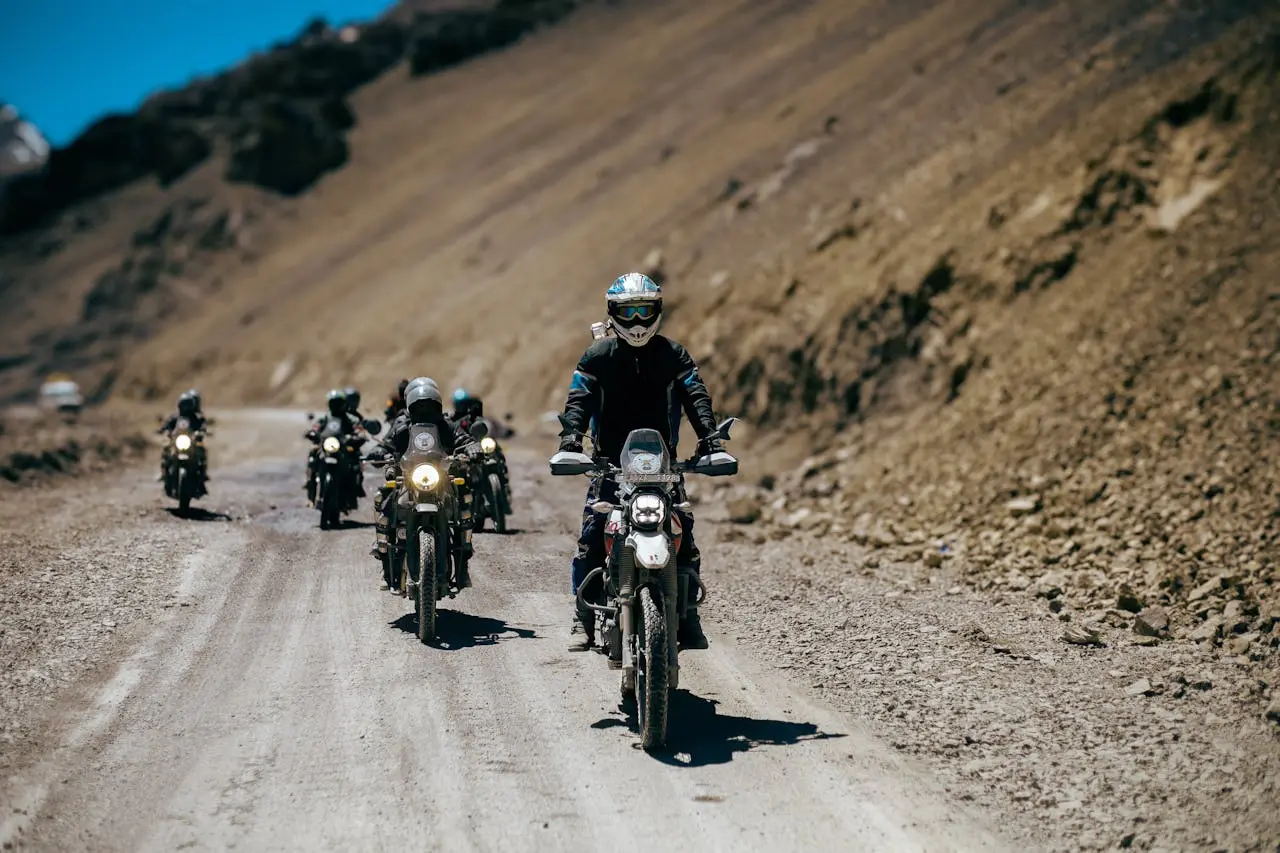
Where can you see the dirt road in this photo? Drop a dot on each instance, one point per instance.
(276, 698)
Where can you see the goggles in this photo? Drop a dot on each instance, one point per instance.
(636, 311)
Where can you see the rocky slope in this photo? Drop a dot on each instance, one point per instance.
(1078, 398)
(133, 221)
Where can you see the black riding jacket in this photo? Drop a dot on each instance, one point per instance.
(171, 423)
(347, 426)
(453, 438)
(618, 388)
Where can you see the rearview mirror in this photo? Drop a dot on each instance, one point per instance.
(479, 429)
(566, 464)
(374, 427)
(715, 465)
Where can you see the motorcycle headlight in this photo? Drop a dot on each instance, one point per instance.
(488, 445)
(425, 477)
(182, 442)
(331, 445)
(648, 510)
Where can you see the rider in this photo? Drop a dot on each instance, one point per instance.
(346, 426)
(423, 405)
(188, 410)
(630, 382)
(465, 404)
(353, 402)
(353, 411)
(395, 403)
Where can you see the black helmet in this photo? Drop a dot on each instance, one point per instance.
(404, 383)
(422, 401)
(353, 398)
(187, 405)
(337, 402)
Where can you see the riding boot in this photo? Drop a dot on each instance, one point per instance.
(689, 632)
(583, 629)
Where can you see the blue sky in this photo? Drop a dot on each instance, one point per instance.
(64, 63)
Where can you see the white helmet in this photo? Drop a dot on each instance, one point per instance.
(635, 308)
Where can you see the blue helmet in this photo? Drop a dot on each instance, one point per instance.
(460, 395)
(635, 307)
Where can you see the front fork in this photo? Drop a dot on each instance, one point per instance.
(671, 589)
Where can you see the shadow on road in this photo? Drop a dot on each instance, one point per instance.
(698, 736)
(456, 630)
(352, 524)
(197, 514)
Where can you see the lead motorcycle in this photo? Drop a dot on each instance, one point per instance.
(183, 464)
(492, 481)
(424, 525)
(638, 594)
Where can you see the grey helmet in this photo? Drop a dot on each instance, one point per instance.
(422, 400)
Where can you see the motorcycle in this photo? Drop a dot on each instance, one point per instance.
(638, 592)
(492, 482)
(335, 471)
(183, 464)
(431, 526)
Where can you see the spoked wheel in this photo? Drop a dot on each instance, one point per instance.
(651, 673)
(496, 504)
(428, 586)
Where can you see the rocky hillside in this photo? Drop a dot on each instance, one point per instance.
(133, 221)
(279, 118)
(1071, 387)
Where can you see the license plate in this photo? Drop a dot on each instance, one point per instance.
(427, 508)
(329, 460)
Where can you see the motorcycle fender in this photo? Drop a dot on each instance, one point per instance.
(182, 457)
(426, 508)
(652, 550)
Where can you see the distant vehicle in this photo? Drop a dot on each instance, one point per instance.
(61, 394)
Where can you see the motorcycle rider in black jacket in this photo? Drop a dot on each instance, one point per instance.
(424, 406)
(346, 426)
(189, 410)
(636, 380)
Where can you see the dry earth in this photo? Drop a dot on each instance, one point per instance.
(992, 284)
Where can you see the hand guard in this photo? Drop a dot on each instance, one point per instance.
(707, 446)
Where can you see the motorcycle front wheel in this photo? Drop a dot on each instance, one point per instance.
(496, 504)
(428, 586)
(184, 492)
(330, 507)
(652, 673)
